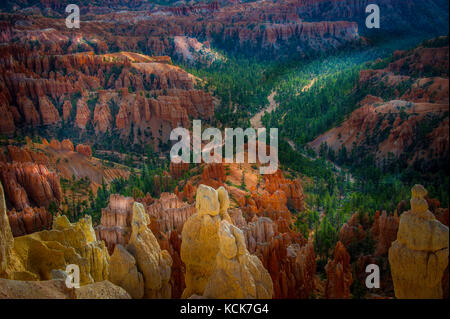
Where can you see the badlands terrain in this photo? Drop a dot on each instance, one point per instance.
(86, 177)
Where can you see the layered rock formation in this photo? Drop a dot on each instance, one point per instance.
(115, 222)
(273, 197)
(152, 95)
(29, 183)
(168, 215)
(67, 145)
(419, 256)
(339, 275)
(29, 220)
(267, 225)
(29, 188)
(22, 155)
(290, 260)
(142, 268)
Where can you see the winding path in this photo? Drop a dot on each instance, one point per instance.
(255, 121)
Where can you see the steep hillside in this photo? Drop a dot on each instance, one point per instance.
(136, 97)
(405, 115)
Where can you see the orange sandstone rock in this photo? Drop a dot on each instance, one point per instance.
(67, 145)
(84, 149)
(339, 275)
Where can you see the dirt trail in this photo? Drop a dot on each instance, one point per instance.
(255, 121)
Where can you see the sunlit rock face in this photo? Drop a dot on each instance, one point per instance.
(168, 215)
(38, 254)
(200, 241)
(419, 256)
(124, 272)
(137, 262)
(237, 273)
(154, 263)
(218, 264)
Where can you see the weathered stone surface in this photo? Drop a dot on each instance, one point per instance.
(384, 230)
(236, 273)
(67, 145)
(29, 220)
(101, 290)
(49, 113)
(115, 222)
(18, 154)
(419, 256)
(351, 231)
(29, 181)
(339, 275)
(48, 289)
(57, 289)
(83, 114)
(152, 262)
(39, 253)
(6, 237)
(124, 273)
(84, 149)
(168, 215)
(200, 241)
(218, 263)
(55, 144)
(7, 120)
